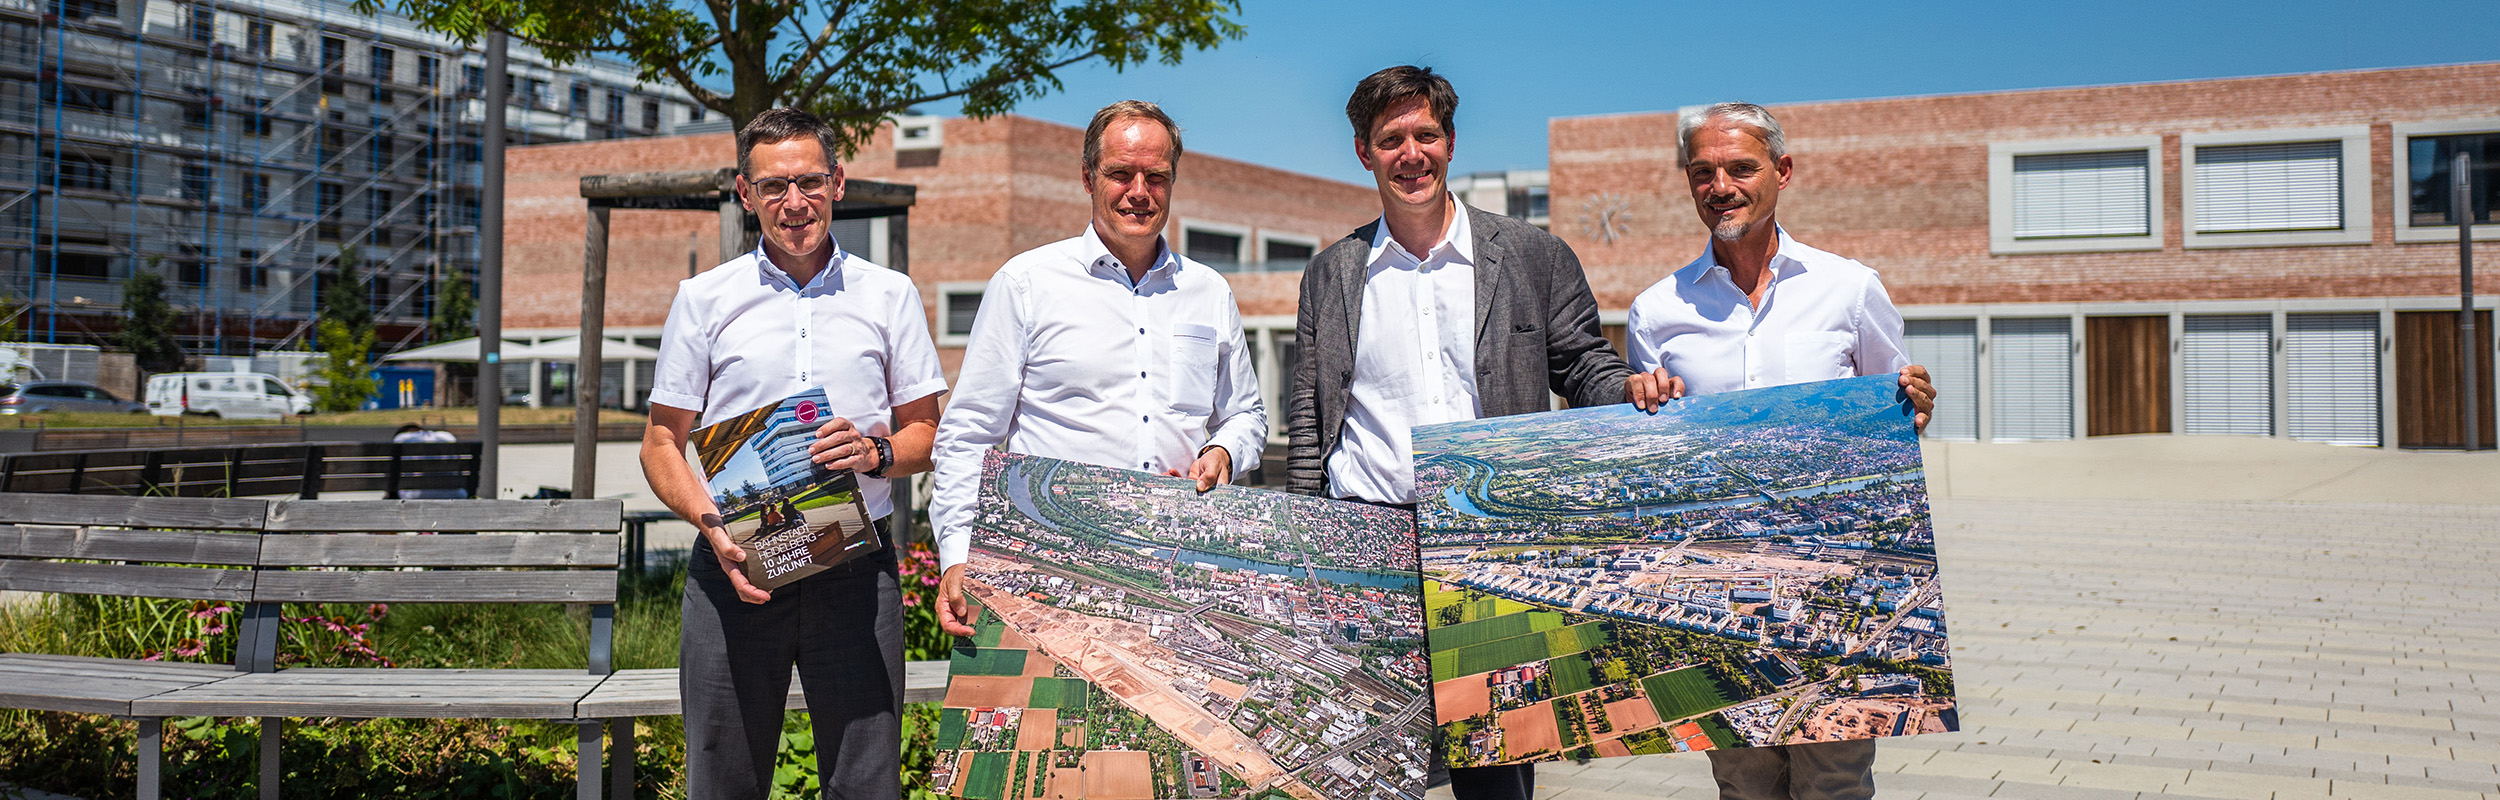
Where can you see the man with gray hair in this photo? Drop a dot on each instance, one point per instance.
(1106, 348)
(1761, 309)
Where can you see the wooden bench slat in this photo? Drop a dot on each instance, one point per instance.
(384, 693)
(94, 685)
(112, 544)
(446, 586)
(133, 512)
(478, 550)
(181, 583)
(654, 692)
(535, 516)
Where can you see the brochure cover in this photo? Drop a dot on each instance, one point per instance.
(1137, 639)
(1738, 570)
(793, 517)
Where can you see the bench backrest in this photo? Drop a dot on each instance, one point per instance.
(153, 547)
(305, 470)
(523, 551)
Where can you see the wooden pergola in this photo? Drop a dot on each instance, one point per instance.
(710, 191)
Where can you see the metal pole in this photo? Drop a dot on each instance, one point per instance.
(2461, 182)
(490, 272)
(586, 369)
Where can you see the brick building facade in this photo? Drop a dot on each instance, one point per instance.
(986, 190)
(2252, 314)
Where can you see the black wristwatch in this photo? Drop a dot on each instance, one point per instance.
(885, 456)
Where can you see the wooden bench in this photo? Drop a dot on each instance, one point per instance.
(303, 470)
(126, 547)
(265, 554)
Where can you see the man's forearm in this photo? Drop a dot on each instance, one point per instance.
(672, 479)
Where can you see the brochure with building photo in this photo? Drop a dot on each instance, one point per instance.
(793, 517)
(1137, 639)
(1738, 570)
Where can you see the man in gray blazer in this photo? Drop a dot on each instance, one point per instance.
(1434, 313)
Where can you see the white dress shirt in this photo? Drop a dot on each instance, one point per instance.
(743, 336)
(1414, 360)
(1824, 317)
(1068, 360)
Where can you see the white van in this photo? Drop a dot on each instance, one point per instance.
(236, 395)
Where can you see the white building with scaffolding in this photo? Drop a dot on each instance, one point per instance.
(239, 146)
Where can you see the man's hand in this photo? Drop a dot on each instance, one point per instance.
(1649, 390)
(839, 445)
(732, 560)
(1922, 394)
(953, 614)
(1213, 468)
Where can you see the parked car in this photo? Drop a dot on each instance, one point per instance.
(239, 395)
(36, 397)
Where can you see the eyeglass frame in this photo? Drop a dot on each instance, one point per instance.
(790, 182)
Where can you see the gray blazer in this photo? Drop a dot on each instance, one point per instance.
(1536, 332)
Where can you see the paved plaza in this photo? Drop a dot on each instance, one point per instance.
(2195, 617)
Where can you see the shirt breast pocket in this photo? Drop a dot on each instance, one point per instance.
(1190, 384)
(1820, 356)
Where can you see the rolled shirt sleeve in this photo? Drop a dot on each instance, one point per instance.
(1879, 348)
(912, 368)
(1241, 427)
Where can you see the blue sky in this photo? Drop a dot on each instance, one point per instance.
(1277, 96)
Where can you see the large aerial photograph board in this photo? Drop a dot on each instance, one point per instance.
(1138, 640)
(1737, 570)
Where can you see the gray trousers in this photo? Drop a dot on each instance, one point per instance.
(1817, 771)
(843, 627)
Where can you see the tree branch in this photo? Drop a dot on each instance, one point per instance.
(991, 83)
(815, 46)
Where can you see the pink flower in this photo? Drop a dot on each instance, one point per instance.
(189, 647)
(202, 609)
(153, 656)
(378, 610)
(213, 628)
(911, 600)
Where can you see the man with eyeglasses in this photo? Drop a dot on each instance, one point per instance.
(798, 312)
(1107, 348)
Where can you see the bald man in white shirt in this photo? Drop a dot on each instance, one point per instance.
(1759, 309)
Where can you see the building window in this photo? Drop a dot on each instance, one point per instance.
(1212, 248)
(2433, 189)
(694, 113)
(197, 182)
(1528, 202)
(581, 100)
(472, 79)
(381, 59)
(84, 265)
(651, 115)
(203, 21)
(333, 51)
(256, 38)
(959, 303)
(2269, 188)
(378, 153)
(191, 266)
(377, 204)
(2082, 194)
(616, 108)
(255, 192)
(77, 170)
(2074, 196)
(76, 97)
(1284, 255)
(254, 274)
(427, 66)
(91, 9)
(195, 113)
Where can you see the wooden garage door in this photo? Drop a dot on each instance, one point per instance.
(2426, 380)
(2127, 366)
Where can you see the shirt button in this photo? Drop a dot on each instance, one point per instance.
(1141, 374)
(1144, 418)
(1141, 331)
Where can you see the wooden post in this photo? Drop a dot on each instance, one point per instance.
(586, 368)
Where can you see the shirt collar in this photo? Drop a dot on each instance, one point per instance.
(1098, 257)
(772, 272)
(1780, 261)
(1458, 242)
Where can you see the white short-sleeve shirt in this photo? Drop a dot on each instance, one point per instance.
(1825, 317)
(743, 336)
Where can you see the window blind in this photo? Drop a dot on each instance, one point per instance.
(2285, 186)
(2082, 194)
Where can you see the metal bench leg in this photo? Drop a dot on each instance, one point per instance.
(587, 737)
(621, 758)
(270, 727)
(151, 758)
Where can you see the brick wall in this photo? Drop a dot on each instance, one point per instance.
(1902, 185)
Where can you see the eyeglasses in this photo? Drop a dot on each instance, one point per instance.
(811, 184)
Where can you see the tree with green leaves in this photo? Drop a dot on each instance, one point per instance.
(855, 63)
(455, 309)
(148, 321)
(345, 374)
(343, 333)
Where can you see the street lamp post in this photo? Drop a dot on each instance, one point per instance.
(2461, 183)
